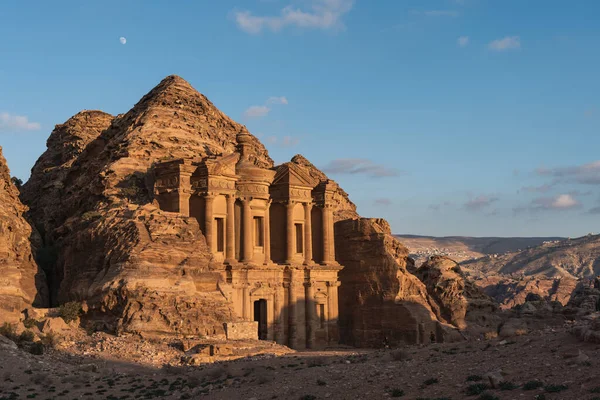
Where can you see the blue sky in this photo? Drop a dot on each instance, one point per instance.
(446, 117)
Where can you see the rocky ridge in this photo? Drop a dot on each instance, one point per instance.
(21, 283)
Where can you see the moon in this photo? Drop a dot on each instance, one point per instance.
(123, 40)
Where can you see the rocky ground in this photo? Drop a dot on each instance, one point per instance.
(546, 364)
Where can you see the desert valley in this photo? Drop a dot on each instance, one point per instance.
(161, 253)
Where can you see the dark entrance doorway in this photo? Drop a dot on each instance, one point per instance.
(260, 316)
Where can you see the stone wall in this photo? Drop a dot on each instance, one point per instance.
(247, 330)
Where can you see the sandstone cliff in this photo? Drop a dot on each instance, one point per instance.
(21, 284)
(380, 301)
(139, 269)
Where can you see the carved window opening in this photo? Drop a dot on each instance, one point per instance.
(299, 244)
(220, 222)
(259, 232)
(322, 316)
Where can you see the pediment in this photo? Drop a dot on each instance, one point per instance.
(223, 165)
(292, 175)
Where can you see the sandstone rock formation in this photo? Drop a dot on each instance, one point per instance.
(586, 297)
(21, 284)
(138, 268)
(456, 299)
(509, 292)
(380, 301)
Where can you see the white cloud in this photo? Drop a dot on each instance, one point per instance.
(588, 174)
(463, 41)
(9, 122)
(559, 202)
(277, 100)
(257, 111)
(263, 111)
(506, 43)
(359, 166)
(323, 14)
(123, 39)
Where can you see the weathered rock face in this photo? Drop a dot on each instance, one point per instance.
(21, 284)
(138, 268)
(66, 142)
(510, 292)
(586, 297)
(380, 301)
(457, 300)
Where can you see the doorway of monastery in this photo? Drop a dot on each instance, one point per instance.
(260, 316)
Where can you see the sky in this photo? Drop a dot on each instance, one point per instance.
(446, 117)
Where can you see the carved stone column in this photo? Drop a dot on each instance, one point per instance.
(310, 314)
(289, 230)
(292, 323)
(308, 254)
(327, 234)
(208, 220)
(248, 252)
(332, 311)
(184, 202)
(184, 192)
(279, 301)
(267, 234)
(245, 309)
(230, 247)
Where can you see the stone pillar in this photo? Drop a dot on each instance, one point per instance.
(289, 230)
(292, 323)
(230, 232)
(245, 310)
(267, 234)
(184, 202)
(327, 234)
(248, 252)
(279, 304)
(310, 314)
(332, 311)
(271, 317)
(208, 221)
(308, 255)
(184, 192)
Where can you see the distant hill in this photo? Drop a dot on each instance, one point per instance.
(508, 269)
(461, 248)
(574, 258)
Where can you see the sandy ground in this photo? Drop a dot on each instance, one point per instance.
(564, 368)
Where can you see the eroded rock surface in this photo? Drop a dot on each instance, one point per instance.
(138, 268)
(380, 301)
(21, 284)
(457, 300)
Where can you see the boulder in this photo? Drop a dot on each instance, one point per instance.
(55, 325)
(457, 300)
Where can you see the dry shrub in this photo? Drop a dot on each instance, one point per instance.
(521, 332)
(490, 335)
